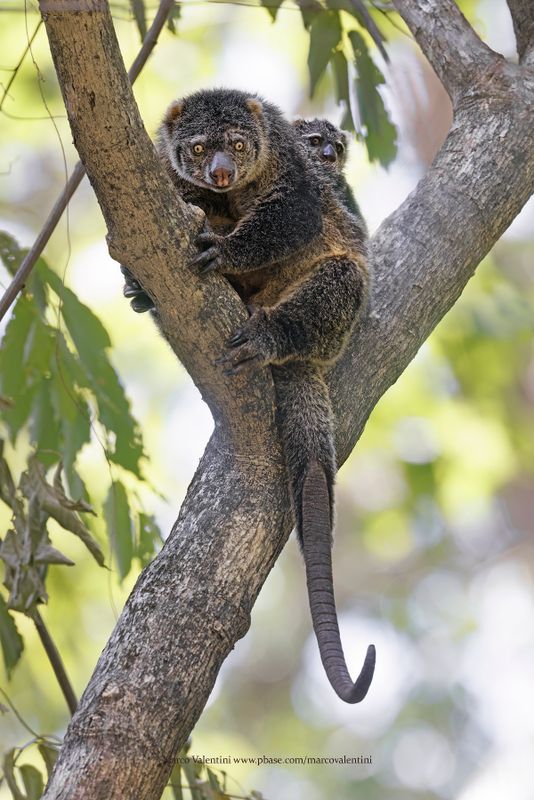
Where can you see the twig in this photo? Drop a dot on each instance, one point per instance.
(55, 660)
(74, 181)
(19, 64)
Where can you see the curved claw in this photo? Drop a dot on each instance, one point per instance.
(206, 261)
(241, 357)
(241, 366)
(206, 237)
(239, 337)
(213, 266)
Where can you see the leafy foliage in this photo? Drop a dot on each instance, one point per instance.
(192, 779)
(325, 36)
(10, 639)
(24, 781)
(174, 16)
(333, 42)
(117, 515)
(380, 134)
(139, 14)
(51, 384)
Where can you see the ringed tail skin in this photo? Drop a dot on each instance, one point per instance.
(305, 420)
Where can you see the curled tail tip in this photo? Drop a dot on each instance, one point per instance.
(368, 670)
(356, 692)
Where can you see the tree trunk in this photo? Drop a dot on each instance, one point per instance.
(193, 602)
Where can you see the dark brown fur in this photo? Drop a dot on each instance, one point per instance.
(281, 234)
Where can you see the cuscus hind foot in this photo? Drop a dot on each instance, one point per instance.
(250, 347)
(139, 299)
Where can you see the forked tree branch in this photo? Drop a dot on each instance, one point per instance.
(193, 602)
(448, 41)
(522, 12)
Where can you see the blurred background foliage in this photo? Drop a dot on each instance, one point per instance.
(433, 556)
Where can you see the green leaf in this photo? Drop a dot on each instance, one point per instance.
(11, 254)
(215, 786)
(341, 76)
(148, 539)
(33, 781)
(325, 35)
(139, 12)
(75, 420)
(8, 491)
(46, 554)
(8, 767)
(309, 10)
(176, 782)
(358, 10)
(22, 577)
(381, 135)
(117, 514)
(192, 779)
(96, 372)
(49, 755)
(272, 6)
(10, 638)
(57, 505)
(80, 319)
(13, 376)
(44, 425)
(212, 778)
(174, 15)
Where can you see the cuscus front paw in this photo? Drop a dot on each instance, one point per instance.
(210, 258)
(250, 347)
(139, 299)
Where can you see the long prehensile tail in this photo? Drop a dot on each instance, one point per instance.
(305, 421)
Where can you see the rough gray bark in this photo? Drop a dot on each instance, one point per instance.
(193, 602)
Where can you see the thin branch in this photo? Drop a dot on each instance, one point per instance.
(19, 64)
(454, 50)
(55, 660)
(21, 276)
(522, 12)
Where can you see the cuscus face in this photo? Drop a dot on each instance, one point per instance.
(215, 138)
(325, 142)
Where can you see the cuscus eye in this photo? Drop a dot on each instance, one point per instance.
(315, 140)
(239, 146)
(339, 148)
(198, 149)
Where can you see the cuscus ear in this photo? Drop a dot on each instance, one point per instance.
(299, 124)
(255, 105)
(173, 112)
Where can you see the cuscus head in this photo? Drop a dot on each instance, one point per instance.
(216, 138)
(325, 142)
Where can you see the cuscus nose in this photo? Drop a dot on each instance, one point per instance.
(222, 170)
(329, 153)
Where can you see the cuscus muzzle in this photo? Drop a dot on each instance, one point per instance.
(329, 153)
(222, 171)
